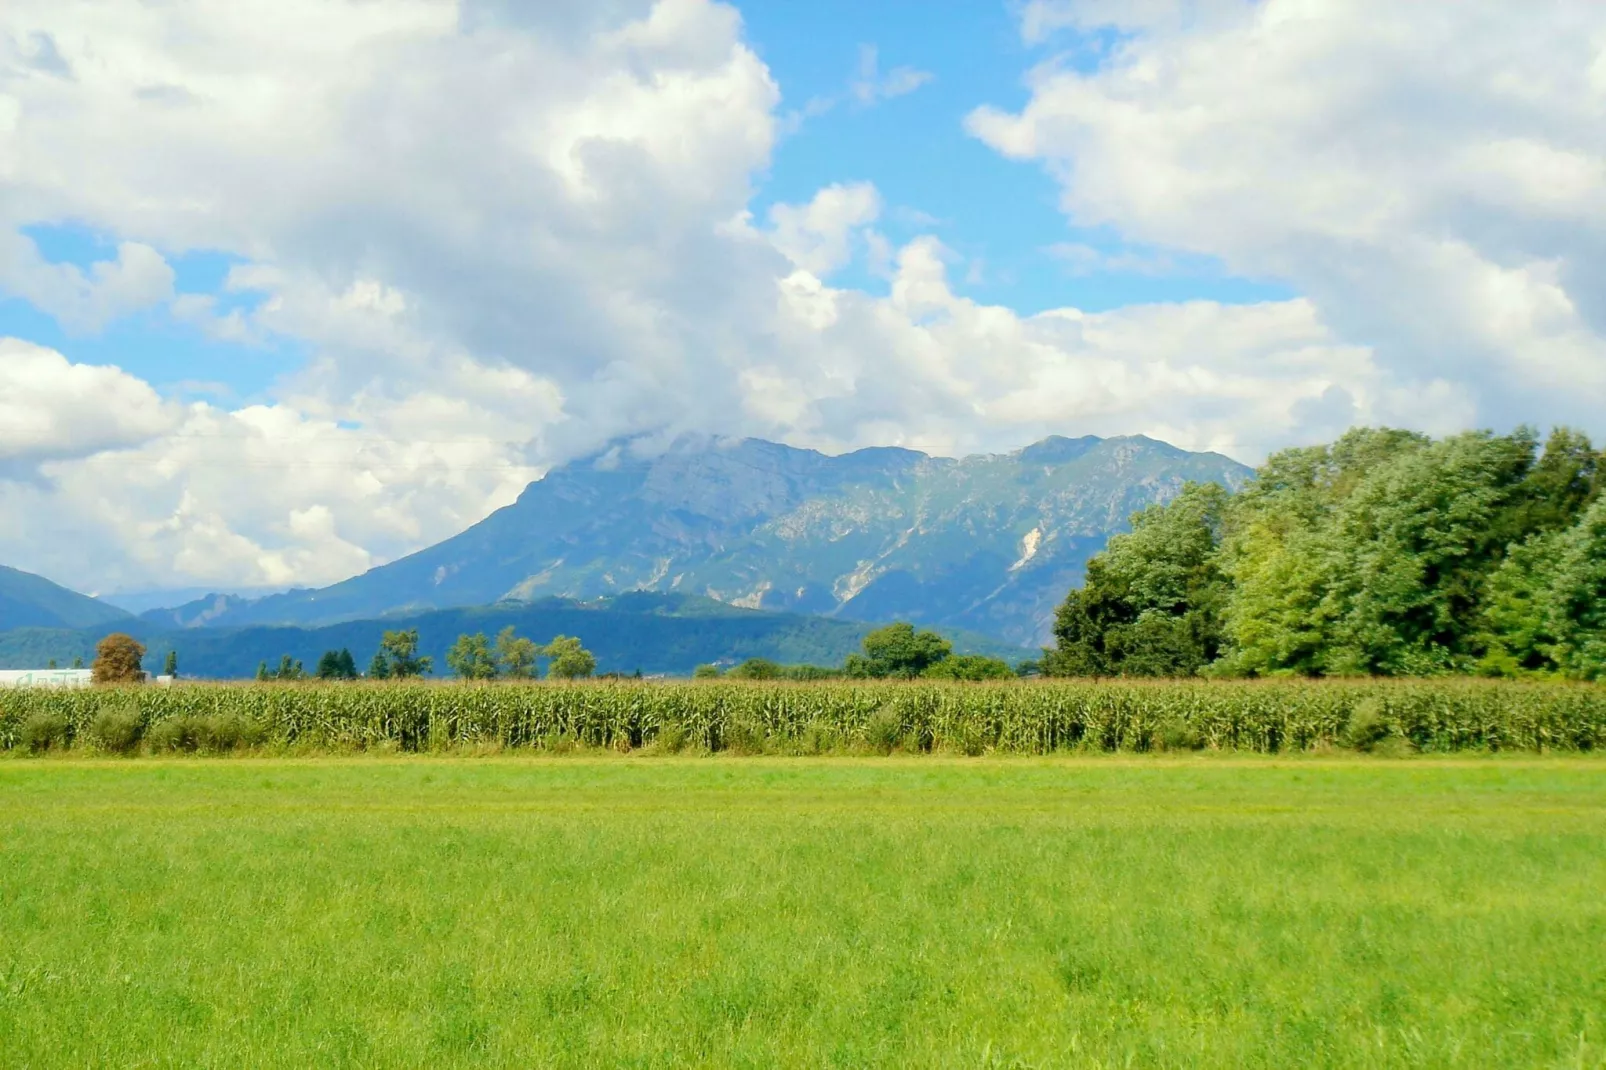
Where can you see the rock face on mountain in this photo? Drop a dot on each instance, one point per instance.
(987, 543)
(29, 601)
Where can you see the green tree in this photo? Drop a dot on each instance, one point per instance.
(1554, 492)
(568, 660)
(757, 669)
(379, 666)
(1546, 611)
(289, 669)
(1575, 602)
(969, 667)
(336, 665)
(1152, 602)
(471, 658)
(516, 657)
(706, 672)
(401, 651)
(170, 666)
(118, 660)
(898, 650)
(1376, 554)
(262, 670)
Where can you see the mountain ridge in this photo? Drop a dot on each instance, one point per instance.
(31, 601)
(986, 543)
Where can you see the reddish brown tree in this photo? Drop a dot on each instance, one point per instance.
(117, 660)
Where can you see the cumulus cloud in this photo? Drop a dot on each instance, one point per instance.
(130, 490)
(927, 368)
(505, 233)
(84, 301)
(51, 409)
(1432, 177)
(818, 236)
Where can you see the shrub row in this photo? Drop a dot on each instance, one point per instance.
(1024, 718)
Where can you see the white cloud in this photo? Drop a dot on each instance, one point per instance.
(1041, 19)
(1083, 260)
(506, 233)
(870, 86)
(929, 369)
(51, 409)
(265, 495)
(84, 301)
(818, 236)
(1429, 175)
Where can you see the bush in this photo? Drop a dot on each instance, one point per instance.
(1179, 735)
(176, 734)
(45, 730)
(117, 731)
(1367, 726)
(742, 738)
(228, 732)
(884, 731)
(672, 737)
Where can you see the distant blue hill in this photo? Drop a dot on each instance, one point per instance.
(29, 601)
(653, 633)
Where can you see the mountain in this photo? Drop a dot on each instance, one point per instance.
(197, 613)
(655, 633)
(141, 602)
(29, 601)
(988, 543)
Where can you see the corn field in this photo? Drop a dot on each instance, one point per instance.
(1016, 718)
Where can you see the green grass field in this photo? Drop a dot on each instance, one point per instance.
(612, 911)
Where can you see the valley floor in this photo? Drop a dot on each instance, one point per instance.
(802, 912)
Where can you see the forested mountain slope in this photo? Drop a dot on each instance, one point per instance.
(986, 543)
(29, 601)
(655, 633)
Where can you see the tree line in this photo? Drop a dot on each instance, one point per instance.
(1384, 553)
(471, 657)
(895, 652)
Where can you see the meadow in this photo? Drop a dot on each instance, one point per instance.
(833, 717)
(1172, 911)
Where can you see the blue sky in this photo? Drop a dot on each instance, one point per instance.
(999, 218)
(171, 354)
(292, 289)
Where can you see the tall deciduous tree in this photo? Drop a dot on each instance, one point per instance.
(401, 652)
(1152, 602)
(569, 660)
(898, 650)
(1385, 552)
(471, 659)
(516, 657)
(117, 660)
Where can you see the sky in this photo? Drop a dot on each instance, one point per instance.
(291, 288)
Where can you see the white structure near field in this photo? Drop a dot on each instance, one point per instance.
(61, 678)
(44, 678)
